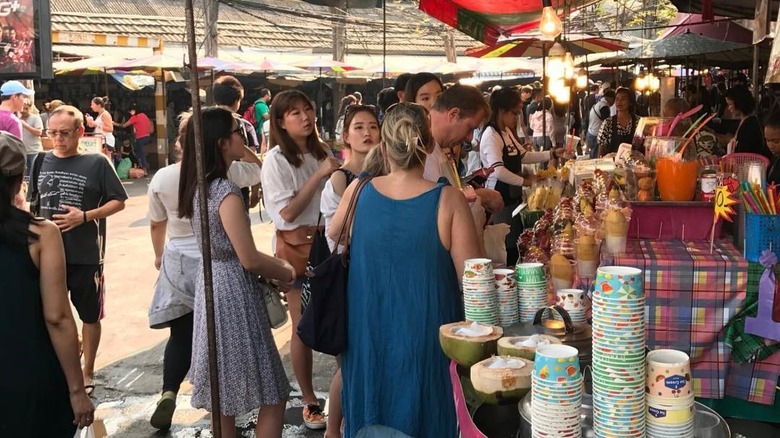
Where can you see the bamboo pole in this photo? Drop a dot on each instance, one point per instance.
(195, 119)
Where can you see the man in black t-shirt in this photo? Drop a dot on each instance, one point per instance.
(78, 192)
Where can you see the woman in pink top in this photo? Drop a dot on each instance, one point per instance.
(142, 126)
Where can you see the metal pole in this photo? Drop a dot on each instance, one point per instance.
(384, 44)
(204, 223)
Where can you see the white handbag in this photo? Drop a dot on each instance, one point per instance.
(274, 307)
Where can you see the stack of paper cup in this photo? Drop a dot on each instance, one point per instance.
(479, 291)
(531, 289)
(556, 392)
(619, 407)
(575, 302)
(670, 395)
(506, 290)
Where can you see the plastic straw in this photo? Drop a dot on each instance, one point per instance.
(695, 124)
(676, 120)
(695, 131)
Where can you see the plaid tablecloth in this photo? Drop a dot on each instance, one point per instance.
(691, 296)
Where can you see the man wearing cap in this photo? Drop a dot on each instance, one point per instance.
(78, 192)
(12, 95)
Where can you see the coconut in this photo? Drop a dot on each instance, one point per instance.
(469, 342)
(502, 380)
(524, 346)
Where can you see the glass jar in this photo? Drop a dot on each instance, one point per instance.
(708, 182)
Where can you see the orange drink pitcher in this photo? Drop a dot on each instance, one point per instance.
(676, 178)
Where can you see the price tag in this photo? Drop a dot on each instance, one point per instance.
(623, 153)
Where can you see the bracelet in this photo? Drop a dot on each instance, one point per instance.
(85, 216)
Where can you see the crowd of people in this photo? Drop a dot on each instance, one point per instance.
(415, 222)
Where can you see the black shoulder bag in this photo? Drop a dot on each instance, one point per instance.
(35, 194)
(323, 325)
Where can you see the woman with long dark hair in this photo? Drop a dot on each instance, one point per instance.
(294, 174)
(251, 375)
(620, 127)
(42, 388)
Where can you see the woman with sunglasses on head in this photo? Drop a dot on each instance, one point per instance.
(501, 150)
(361, 135)
(294, 173)
(251, 374)
(410, 238)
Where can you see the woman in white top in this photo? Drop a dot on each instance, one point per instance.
(104, 123)
(360, 136)
(294, 174)
(542, 124)
(501, 149)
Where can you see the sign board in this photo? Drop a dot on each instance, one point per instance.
(25, 39)
(91, 145)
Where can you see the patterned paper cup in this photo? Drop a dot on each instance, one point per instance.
(532, 273)
(662, 415)
(669, 375)
(474, 268)
(619, 282)
(557, 363)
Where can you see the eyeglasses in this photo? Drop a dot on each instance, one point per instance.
(62, 132)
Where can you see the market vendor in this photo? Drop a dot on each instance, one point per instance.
(620, 127)
(772, 136)
(502, 150)
(749, 137)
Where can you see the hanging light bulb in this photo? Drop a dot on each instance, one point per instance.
(568, 66)
(550, 25)
(582, 79)
(563, 95)
(640, 83)
(555, 68)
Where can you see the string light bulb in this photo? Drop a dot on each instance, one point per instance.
(550, 25)
(568, 66)
(582, 79)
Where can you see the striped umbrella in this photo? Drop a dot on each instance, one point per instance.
(534, 46)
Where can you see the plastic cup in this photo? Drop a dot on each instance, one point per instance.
(530, 273)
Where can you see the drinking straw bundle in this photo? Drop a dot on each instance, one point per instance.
(758, 201)
(697, 126)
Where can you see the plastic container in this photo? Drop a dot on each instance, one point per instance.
(762, 231)
(676, 179)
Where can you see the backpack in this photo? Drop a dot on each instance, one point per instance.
(249, 114)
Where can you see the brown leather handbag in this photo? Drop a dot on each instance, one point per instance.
(295, 245)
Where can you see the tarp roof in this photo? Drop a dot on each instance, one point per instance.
(726, 8)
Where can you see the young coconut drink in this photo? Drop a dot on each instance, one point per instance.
(524, 346)
(502, 380)
(469, 342)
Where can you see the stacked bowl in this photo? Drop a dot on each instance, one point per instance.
(531, 289)
(670, 395)
(506, 291)
(556, 392)
(575, 302)
(619, 406)
(479, 291)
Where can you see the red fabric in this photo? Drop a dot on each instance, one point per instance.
(467, 427)
(486, 21)
(719, 30)
(650, 220)
(706, 10)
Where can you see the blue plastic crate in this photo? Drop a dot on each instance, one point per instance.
(762, 231)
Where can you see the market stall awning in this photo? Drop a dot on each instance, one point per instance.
(687, 45)
(724, 30)
(488, 20)
(728, 8)
(530, 45)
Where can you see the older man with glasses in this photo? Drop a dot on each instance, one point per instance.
(78, 191)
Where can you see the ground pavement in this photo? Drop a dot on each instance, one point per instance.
(129, 362)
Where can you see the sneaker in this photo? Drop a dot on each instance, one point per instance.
(163, 413)
(313, 417)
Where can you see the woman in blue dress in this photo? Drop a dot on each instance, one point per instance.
(409, 240)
